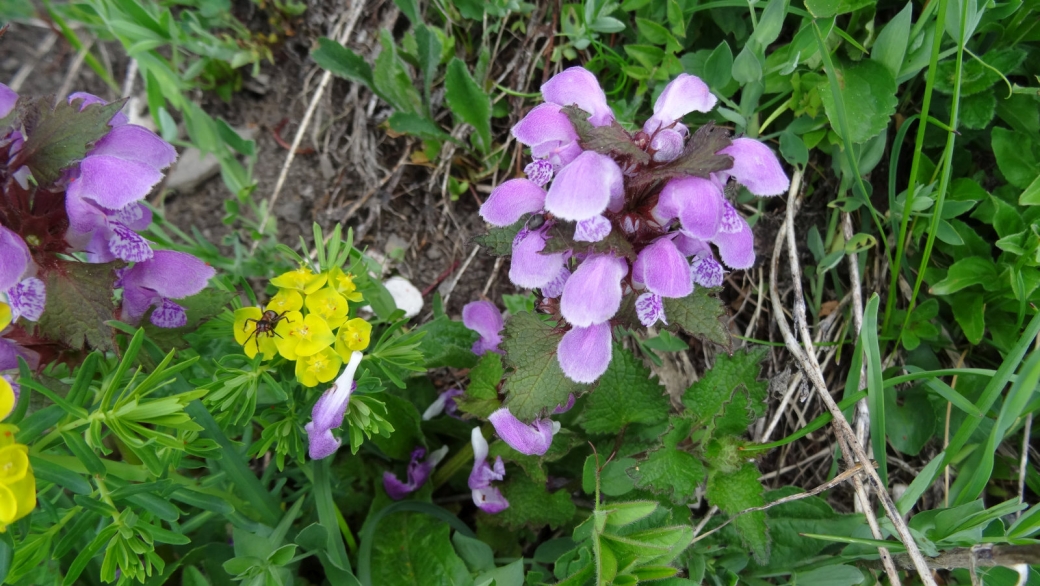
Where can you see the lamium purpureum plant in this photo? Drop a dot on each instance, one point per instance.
(614, 227)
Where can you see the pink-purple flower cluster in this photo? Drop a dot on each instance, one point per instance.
(636, 216)
(94, 208)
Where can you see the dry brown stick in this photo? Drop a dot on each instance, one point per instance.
(850, 473)
(862, 410)
(807, 360)
(986, 555)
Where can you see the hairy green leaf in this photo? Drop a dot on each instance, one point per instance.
(499, 241)
(447, 343)
(611, 139)
(868, 91)
(531, 505)
(59, 137)
(699, 314)
(626, 395)
(79, 301)
(699, 158)
(671, 471)
(706, 397)
(537, 382)
(412, 549)
(735, 492)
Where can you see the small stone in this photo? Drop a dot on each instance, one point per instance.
(406, 296)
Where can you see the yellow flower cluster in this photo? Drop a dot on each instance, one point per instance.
(308, 322)
(17, 483)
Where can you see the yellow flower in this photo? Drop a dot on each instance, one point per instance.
(329, 305)
(7, 397)
(249, 332)
(344, 284)
(315, 336)
(286, 300)
(17, 482)
(355, 335)
(288, 334)
(318, 368)
(5, 315)
(302, 279)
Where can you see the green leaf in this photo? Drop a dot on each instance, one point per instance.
(969, 309)
(868, 91)
(788, 521)
(736, 492)
(343, 62)
(1031, 195)
(416, 125)
(769, 24)
(79, 302)
(890, 47)
(626, 395)
(499, 241)
(746, 67)
(50, 472)
(699, 314)
(481, 397)
(537, 382)
(977, 110)
(718, 67)
(468, 101)
(61, 136)
(965, 273)
(405, 419)
(670, 471)
(621, 514)
(410, 8)
(830, 576)
(706, 397)
(447, 343)
(475, 553)
(910, 423)
(1018, 156)
(508, 575)
(390, 79)
(531, 505)
(793, 148)
(975, 76)
(412, 549)
(428, 48)
(829, 8)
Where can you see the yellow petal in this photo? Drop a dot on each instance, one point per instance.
(8, 505)
(7, 398)
(316, 335)
(286, 300)
(319, 368)
(354, 336)
(7, 432)
(302, 279)
(344, 284)
(288, 334)
(328, 305)
(5, 315)
(24, 494)
(241, 327)
(14, 463)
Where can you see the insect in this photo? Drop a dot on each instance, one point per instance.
(265, 325)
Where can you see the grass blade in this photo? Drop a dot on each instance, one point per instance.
(875, 388)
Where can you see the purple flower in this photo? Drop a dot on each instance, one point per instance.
(736, 244)
(154, 282)
(25, 293)
(707, 272)
(445, 403)
(511, 200)
(529, 268)
(695, 201)
(554, 288)
(15, 259)
(8, 99)
(756, 167)
(585, 187)
(584, 353)
(27, 299)
(485, 319)
(417, 473)
(533, 439)
(650, 308)
(667, 143)
(684, 94)
(86, 99)
(578, 86)
(565, 407)
(593, 229)
(592, 295)
(663, 269)
(540, 172)
(550, 135)
(328, 412)
(488, 498)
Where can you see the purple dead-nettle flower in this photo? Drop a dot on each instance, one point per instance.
(533, 439)
(24, 292)
(488, 498)
(485, 319)
(445, 403)
(624, 208)
(157, 281)
(565, 407)
(328, 412)
(8, 99)
(417, 474)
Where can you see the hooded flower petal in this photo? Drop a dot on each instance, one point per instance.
(584, 353)
(540, 172)
(136, 143)
(667, 145)
(663, 269)
(695, 201)
(169, 315)
(684, 94)
(8, 99)
(756, 167)
(554, 288)
(583, 188)
(578, 86)
(112, 182)
(690, 246)
(14, 258)
(28, 299)
(565, 407)
(592, 294)
(418, 472)
(511, 200)
(490, 500)
(329, 410)
(86, 99)
(737, 249)
(483, 474)
(707, 272)
(544, 124)
(168, 274)
(533, 439)
(650, 308)
(530, 269)
(593, 229)
(445, 403)
(485, 319)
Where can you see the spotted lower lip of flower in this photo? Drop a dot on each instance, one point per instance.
(253, 340)
(353, 336)
(344, 285)
(650, 308)
(329, 305)
(167, 275)
(329, 410)
(28, 299)
(485, 319)
(417, 474)
(315, 335)
(531, 439)
(707, 272)
(320, 367)
(286, 300)
(302, 279)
